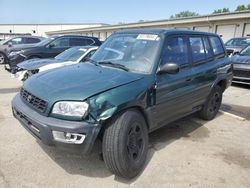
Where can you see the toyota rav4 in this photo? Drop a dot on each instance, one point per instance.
(136, 82)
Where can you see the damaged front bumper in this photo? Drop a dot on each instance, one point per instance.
(53, 131)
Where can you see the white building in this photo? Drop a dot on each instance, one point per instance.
(227, 25)
(7, 30)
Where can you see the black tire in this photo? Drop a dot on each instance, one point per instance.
(125, 144)
(212, 105)
(2, 58)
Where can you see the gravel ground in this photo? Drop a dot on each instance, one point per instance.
(187, 153)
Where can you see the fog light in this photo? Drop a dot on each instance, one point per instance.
(70, 138)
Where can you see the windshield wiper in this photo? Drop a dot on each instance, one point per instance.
(93, 62)
(116, 65)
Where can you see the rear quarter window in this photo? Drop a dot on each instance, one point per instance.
(216, 45)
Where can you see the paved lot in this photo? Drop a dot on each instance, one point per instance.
(189, 153)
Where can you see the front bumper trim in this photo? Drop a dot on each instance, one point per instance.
(42, 127)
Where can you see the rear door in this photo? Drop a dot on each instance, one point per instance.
(206, 52)
(173, 91)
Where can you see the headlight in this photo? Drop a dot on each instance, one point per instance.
(71, 108)
(15, 53)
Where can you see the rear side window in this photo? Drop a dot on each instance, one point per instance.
(197, 48)
(208, 49)
(80, 42)
(175, 51)
(216, 45)
(32, 40)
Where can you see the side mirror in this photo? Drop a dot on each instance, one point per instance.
(51, 45)
(169, 68)
(9, 44)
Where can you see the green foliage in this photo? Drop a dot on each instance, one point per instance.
(242, 7)
(184, 14)
(221, 10)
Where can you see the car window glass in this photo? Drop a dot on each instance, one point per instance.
(80, 42)
(18, 40)
(208, 50)
(32, 40)
(175, 51)
(88, 55)
(238, 42)
(245, 51)
(216, 45)
(197, 48)
(61, 42)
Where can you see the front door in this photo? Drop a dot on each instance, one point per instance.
(174, 91)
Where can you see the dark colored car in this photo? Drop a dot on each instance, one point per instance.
(69, 57)
(15, 41)
(48, 48)
(235, 45)
(136, 82)
(241, 66)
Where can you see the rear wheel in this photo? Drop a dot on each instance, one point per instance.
(212, 105)
(125, 144)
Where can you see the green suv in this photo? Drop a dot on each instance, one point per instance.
(136, 82)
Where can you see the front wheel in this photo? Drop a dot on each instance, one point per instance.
(212, 105)
(2, 58)
(125, 144)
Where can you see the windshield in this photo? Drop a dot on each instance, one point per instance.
(135, 52)
(245, 51)
(238, 42)
(72, 54)
(45, 41)
(3, 41)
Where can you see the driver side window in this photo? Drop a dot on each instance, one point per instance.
(60, 43)
(175, 51)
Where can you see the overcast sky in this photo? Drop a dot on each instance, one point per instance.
(103, 11)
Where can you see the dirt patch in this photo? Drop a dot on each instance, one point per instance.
(237, 158)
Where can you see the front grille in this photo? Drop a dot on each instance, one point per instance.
(241, 73)
(37, 103)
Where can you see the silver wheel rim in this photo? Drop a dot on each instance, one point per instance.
(1, 59)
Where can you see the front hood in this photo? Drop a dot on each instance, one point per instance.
(237, 59)
(33, 64)
(77, 82)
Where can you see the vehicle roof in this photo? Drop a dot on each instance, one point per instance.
(70, 35)
(158, 31)
(240, 38)
(27, 36)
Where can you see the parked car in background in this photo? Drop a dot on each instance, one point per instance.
(15, 41)
(71, 56)
(235, 45)
(49, 48)
(241, 66)
(157, 77)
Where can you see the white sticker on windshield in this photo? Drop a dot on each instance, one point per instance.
(147, 37)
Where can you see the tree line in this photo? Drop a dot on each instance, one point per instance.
(217, 11)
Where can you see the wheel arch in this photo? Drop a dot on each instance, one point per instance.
(108, 121)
